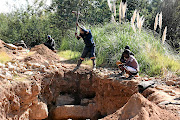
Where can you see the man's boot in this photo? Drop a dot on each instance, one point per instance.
(78, 65)
(94, 64)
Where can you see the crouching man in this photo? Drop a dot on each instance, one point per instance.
(50, 44)
(130, 66)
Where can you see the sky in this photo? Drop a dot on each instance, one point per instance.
(8, 5)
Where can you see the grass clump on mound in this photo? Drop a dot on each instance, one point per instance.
(4, 57)
(110, 39)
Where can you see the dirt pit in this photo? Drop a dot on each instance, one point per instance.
(84, 95)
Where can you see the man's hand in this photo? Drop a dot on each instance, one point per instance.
(77, 24)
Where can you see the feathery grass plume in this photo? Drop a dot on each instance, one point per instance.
(164, 35)
(109, 4)
(114, 7)
(156, 22)
(132, 25)
(120, 12)
(138, 19)
(124, 6)
(112, 18)
(141, 21)
(134, 15)
(160, 20)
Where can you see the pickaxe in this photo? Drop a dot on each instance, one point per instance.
(77, 17)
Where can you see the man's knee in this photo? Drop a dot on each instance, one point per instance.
(81, 58)
(92, 58)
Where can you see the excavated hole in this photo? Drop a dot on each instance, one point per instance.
(83, 95)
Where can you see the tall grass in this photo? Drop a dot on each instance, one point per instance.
(111, 39)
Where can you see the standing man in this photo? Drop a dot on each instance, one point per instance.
(89, 46)
(50, 43)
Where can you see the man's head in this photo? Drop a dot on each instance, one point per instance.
(127, 47)
(49, 37)
(126, 53)
(21, 41)
(83, 30)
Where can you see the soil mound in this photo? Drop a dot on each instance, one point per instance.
(139, 108)
(35, 58)
(2, 48)
(45, 52)
(1, 43)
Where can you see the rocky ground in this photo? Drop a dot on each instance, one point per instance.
(36, 85)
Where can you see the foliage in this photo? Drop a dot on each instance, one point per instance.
(171, 18)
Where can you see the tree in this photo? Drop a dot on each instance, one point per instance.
(171, 18)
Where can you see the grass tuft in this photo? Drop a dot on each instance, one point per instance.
(4, 57)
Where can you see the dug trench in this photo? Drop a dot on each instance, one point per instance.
(84, 95)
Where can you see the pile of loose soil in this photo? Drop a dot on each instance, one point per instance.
(45, 52)
(5, 49)
(35, 58)
(2, 48)
(139, 108)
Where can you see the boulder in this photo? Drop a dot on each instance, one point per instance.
(170, 82)
(39, 111)
(64, 100)
(75, 112)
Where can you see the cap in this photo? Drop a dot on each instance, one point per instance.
(49, 36)
(127, 47)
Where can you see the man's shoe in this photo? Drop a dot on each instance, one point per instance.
(74, 70)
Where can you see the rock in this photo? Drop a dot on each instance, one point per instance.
(11, 46)
(2, 65)
(46, 63)
(178, 79)
(178, 83)
(29, 73)
(156, 96)
(64, 100)
(11, 68)
(86, 101)
(159, 88)
(170, 82)
(169, 91)
(146, 79)
(2, 76)
(20, 48)
(39, 111)
(15, 105)
(75, 112)
(144, 85)
(8, 76)
(163, 103)
(36, 65)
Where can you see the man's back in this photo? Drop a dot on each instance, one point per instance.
(132, 62)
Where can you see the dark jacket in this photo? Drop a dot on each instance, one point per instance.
(50, 44)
